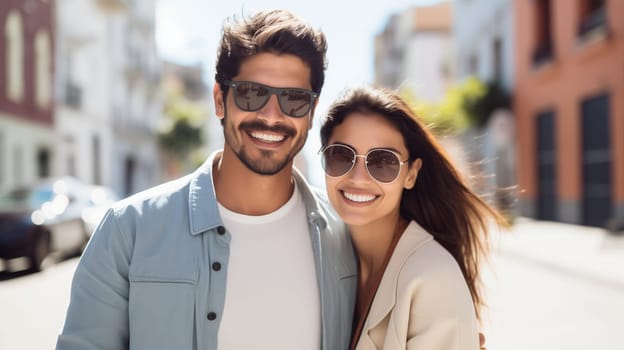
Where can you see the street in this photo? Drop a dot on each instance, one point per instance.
(32, 307)
(536, 307)
(532, 307)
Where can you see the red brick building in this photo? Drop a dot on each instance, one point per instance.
(26, 90)
(569, 103)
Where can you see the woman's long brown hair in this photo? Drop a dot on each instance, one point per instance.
(440, 202)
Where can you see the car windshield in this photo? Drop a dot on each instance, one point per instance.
(25, 199)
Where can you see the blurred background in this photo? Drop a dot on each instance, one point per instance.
(100, 99)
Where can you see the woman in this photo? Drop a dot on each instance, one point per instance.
(419, 231)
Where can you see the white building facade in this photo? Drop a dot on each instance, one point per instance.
(484, 48)
(483, 35)
(414, 51)
(109, 103)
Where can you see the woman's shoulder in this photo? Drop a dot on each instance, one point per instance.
(426, 259)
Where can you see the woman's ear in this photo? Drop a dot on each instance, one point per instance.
(412, 174)
(217, 94)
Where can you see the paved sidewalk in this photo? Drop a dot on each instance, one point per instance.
(586, 252)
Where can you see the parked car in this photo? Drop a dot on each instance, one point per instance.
(48, 217)
(100, 199)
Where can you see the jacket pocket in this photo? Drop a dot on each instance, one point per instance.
(162, 306)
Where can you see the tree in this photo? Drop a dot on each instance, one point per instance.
(448, 115)
(479, 107)
(469, 103)
(181, 131)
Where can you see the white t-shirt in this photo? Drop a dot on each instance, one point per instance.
(272, 295)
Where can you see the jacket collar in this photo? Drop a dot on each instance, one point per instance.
(203, 207)
(385, 298)
(313, 208)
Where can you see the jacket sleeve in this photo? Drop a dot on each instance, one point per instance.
(97, 317)
(442, 315)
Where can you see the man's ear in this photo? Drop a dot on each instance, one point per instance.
(412, 174)
(219, 103)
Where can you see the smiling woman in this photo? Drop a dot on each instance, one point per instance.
(419, 231)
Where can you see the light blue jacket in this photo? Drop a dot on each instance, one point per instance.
(148, 278)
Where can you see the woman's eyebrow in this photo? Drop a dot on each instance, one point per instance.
(370, 149)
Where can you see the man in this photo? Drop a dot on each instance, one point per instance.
(241, 254)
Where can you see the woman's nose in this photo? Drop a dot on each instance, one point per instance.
(359, 171)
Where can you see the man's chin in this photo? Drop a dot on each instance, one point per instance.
(265, 167)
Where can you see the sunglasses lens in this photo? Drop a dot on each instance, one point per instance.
(250, 97)
(337, 160)
(295, 102)
(383, 165)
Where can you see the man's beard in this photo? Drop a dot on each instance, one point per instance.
(266, 165)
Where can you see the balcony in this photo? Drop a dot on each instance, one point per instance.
(595, 21)
(542, 54)
(112, 6)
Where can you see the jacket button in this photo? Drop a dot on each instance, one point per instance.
(221, 230)
(216, 266)
(211, 316)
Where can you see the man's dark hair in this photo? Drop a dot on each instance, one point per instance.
(273, 31)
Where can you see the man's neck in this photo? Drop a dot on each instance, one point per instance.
(246, 192)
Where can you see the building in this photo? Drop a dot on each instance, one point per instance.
(83, 122)
(108, 93)
(483, 33)
(27, 137)
(569, 104)
(414, 51)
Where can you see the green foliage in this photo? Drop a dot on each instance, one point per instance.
(181, 133)
(479, 108)
(467, 104)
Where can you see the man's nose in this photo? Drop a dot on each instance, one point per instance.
(271, 111)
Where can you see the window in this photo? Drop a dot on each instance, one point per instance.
(497, 59)
(96, 159)
(14, 35)
(129, 174)
(473, 65)
(2, 165)
(71, 165)
(546, 166)
(544, 47)
(43, 163)
(42, 69)
(593, 15)
(18, 163)
(597, 160)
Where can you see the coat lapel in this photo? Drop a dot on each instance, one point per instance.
(385, 298)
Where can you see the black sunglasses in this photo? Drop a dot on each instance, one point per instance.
(382, 164)
(250, 97)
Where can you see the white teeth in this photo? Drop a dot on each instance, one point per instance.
(267, 137)
(360, 198)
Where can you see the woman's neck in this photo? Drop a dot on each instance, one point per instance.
(373, 241)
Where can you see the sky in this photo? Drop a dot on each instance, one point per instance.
(188, 31)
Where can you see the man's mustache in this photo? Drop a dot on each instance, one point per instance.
(257, 125)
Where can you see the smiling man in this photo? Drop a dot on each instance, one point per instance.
(242, 253)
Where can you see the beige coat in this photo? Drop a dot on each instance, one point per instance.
(423, 302)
